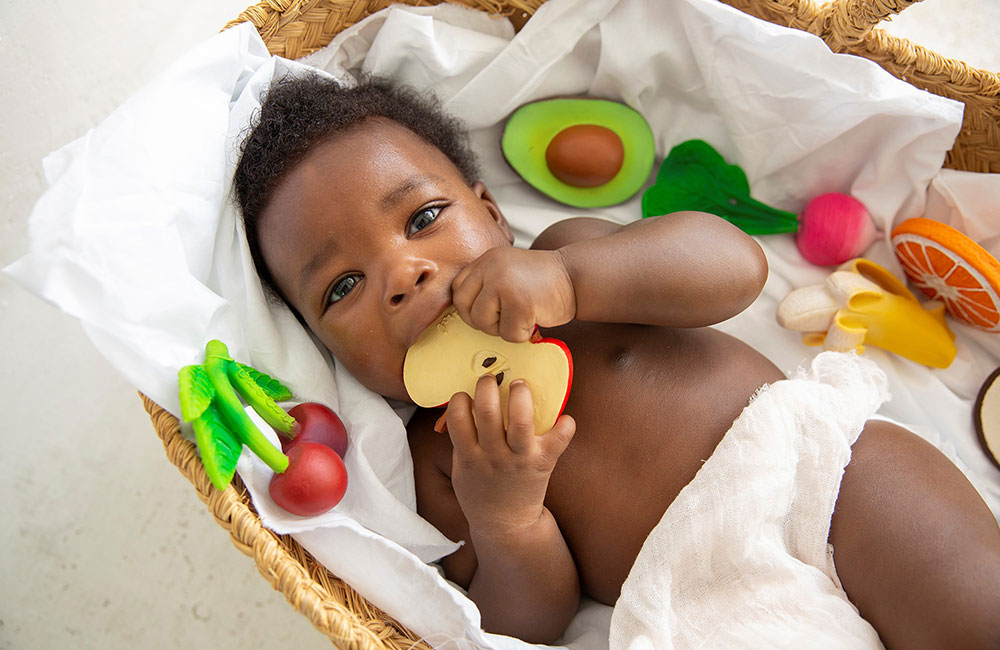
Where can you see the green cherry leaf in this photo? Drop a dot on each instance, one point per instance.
(274, 388)
(196, 391)
(259, 399)
(219, 447)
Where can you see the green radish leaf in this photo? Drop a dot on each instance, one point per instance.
(700, 154)
(196, 391)
(259, 399)
(274, 388)
(694, 176)
(219, 447)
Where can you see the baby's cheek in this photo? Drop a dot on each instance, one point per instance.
(377, 370)
(479, 242)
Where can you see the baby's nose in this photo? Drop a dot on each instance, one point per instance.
(405, 278)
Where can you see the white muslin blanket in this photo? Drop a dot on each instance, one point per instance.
(740, 559)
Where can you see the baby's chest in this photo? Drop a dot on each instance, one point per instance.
(615, 481)
(650, 407)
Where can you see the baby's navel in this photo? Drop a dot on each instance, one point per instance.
(621, 357)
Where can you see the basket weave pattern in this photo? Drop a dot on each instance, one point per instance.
(295, 28)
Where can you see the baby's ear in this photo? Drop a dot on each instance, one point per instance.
(493, 208)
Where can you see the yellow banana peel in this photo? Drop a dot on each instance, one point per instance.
(863, 303)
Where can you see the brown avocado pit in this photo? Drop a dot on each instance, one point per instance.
(585, 155)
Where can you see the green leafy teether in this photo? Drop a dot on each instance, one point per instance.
(694, 176)
(209, 401)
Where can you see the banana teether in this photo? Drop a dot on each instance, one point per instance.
(863, 303)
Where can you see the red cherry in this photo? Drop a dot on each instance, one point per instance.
(314, 482)
(316, 423)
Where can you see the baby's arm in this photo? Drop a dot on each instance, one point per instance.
(687, 269)
(487, 488)
(916, 548)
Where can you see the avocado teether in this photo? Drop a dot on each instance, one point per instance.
(581, 151)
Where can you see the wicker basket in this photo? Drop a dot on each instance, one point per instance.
(294, 28)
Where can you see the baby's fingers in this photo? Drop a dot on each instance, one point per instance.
(489, 416)
(520, 418)
(461, 422)
(485, 313)
(515, 323)
(464, 290)
(555, 441)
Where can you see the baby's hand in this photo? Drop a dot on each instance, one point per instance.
(508, 291)
(500, 476)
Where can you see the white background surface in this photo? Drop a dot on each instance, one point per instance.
(104, 543)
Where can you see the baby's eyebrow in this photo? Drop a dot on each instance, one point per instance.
(314, 263)
(395, 196)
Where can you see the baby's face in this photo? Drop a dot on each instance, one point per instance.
(364, 238)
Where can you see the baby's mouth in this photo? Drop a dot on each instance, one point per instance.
(433, 317)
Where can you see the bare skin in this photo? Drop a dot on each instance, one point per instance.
(370, 260)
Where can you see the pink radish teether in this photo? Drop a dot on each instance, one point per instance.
(833, 229)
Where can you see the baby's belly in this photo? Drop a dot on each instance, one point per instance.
(650, 404)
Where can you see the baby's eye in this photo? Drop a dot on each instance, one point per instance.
(341, 288)
(424, 218)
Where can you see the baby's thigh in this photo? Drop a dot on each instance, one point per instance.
(916, 548)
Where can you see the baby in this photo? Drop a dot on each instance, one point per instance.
(364, 215)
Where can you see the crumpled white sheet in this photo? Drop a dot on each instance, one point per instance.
(137, 238)
(731, 568)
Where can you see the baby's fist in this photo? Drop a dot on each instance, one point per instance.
(509, 291)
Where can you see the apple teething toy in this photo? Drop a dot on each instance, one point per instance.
(450, 356)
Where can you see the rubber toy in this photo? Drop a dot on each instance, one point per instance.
(832, 229)
(209, 401)
(450, 356)
(584, 152)
(949, 266)
(986, 416)
(863, 303)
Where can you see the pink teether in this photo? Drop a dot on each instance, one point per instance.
(833, 229)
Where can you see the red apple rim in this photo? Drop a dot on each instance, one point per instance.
(450, 356)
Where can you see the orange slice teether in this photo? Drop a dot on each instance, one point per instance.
(948, 266)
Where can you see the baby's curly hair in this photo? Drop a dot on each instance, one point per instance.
(303, 110)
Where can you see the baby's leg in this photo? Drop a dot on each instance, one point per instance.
(916, 548)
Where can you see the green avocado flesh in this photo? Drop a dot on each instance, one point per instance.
(531, 127)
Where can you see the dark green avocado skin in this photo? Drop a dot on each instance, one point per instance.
(530, 129)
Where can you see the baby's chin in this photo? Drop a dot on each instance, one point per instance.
(391, 389)
(387, 384)
(402, 396)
